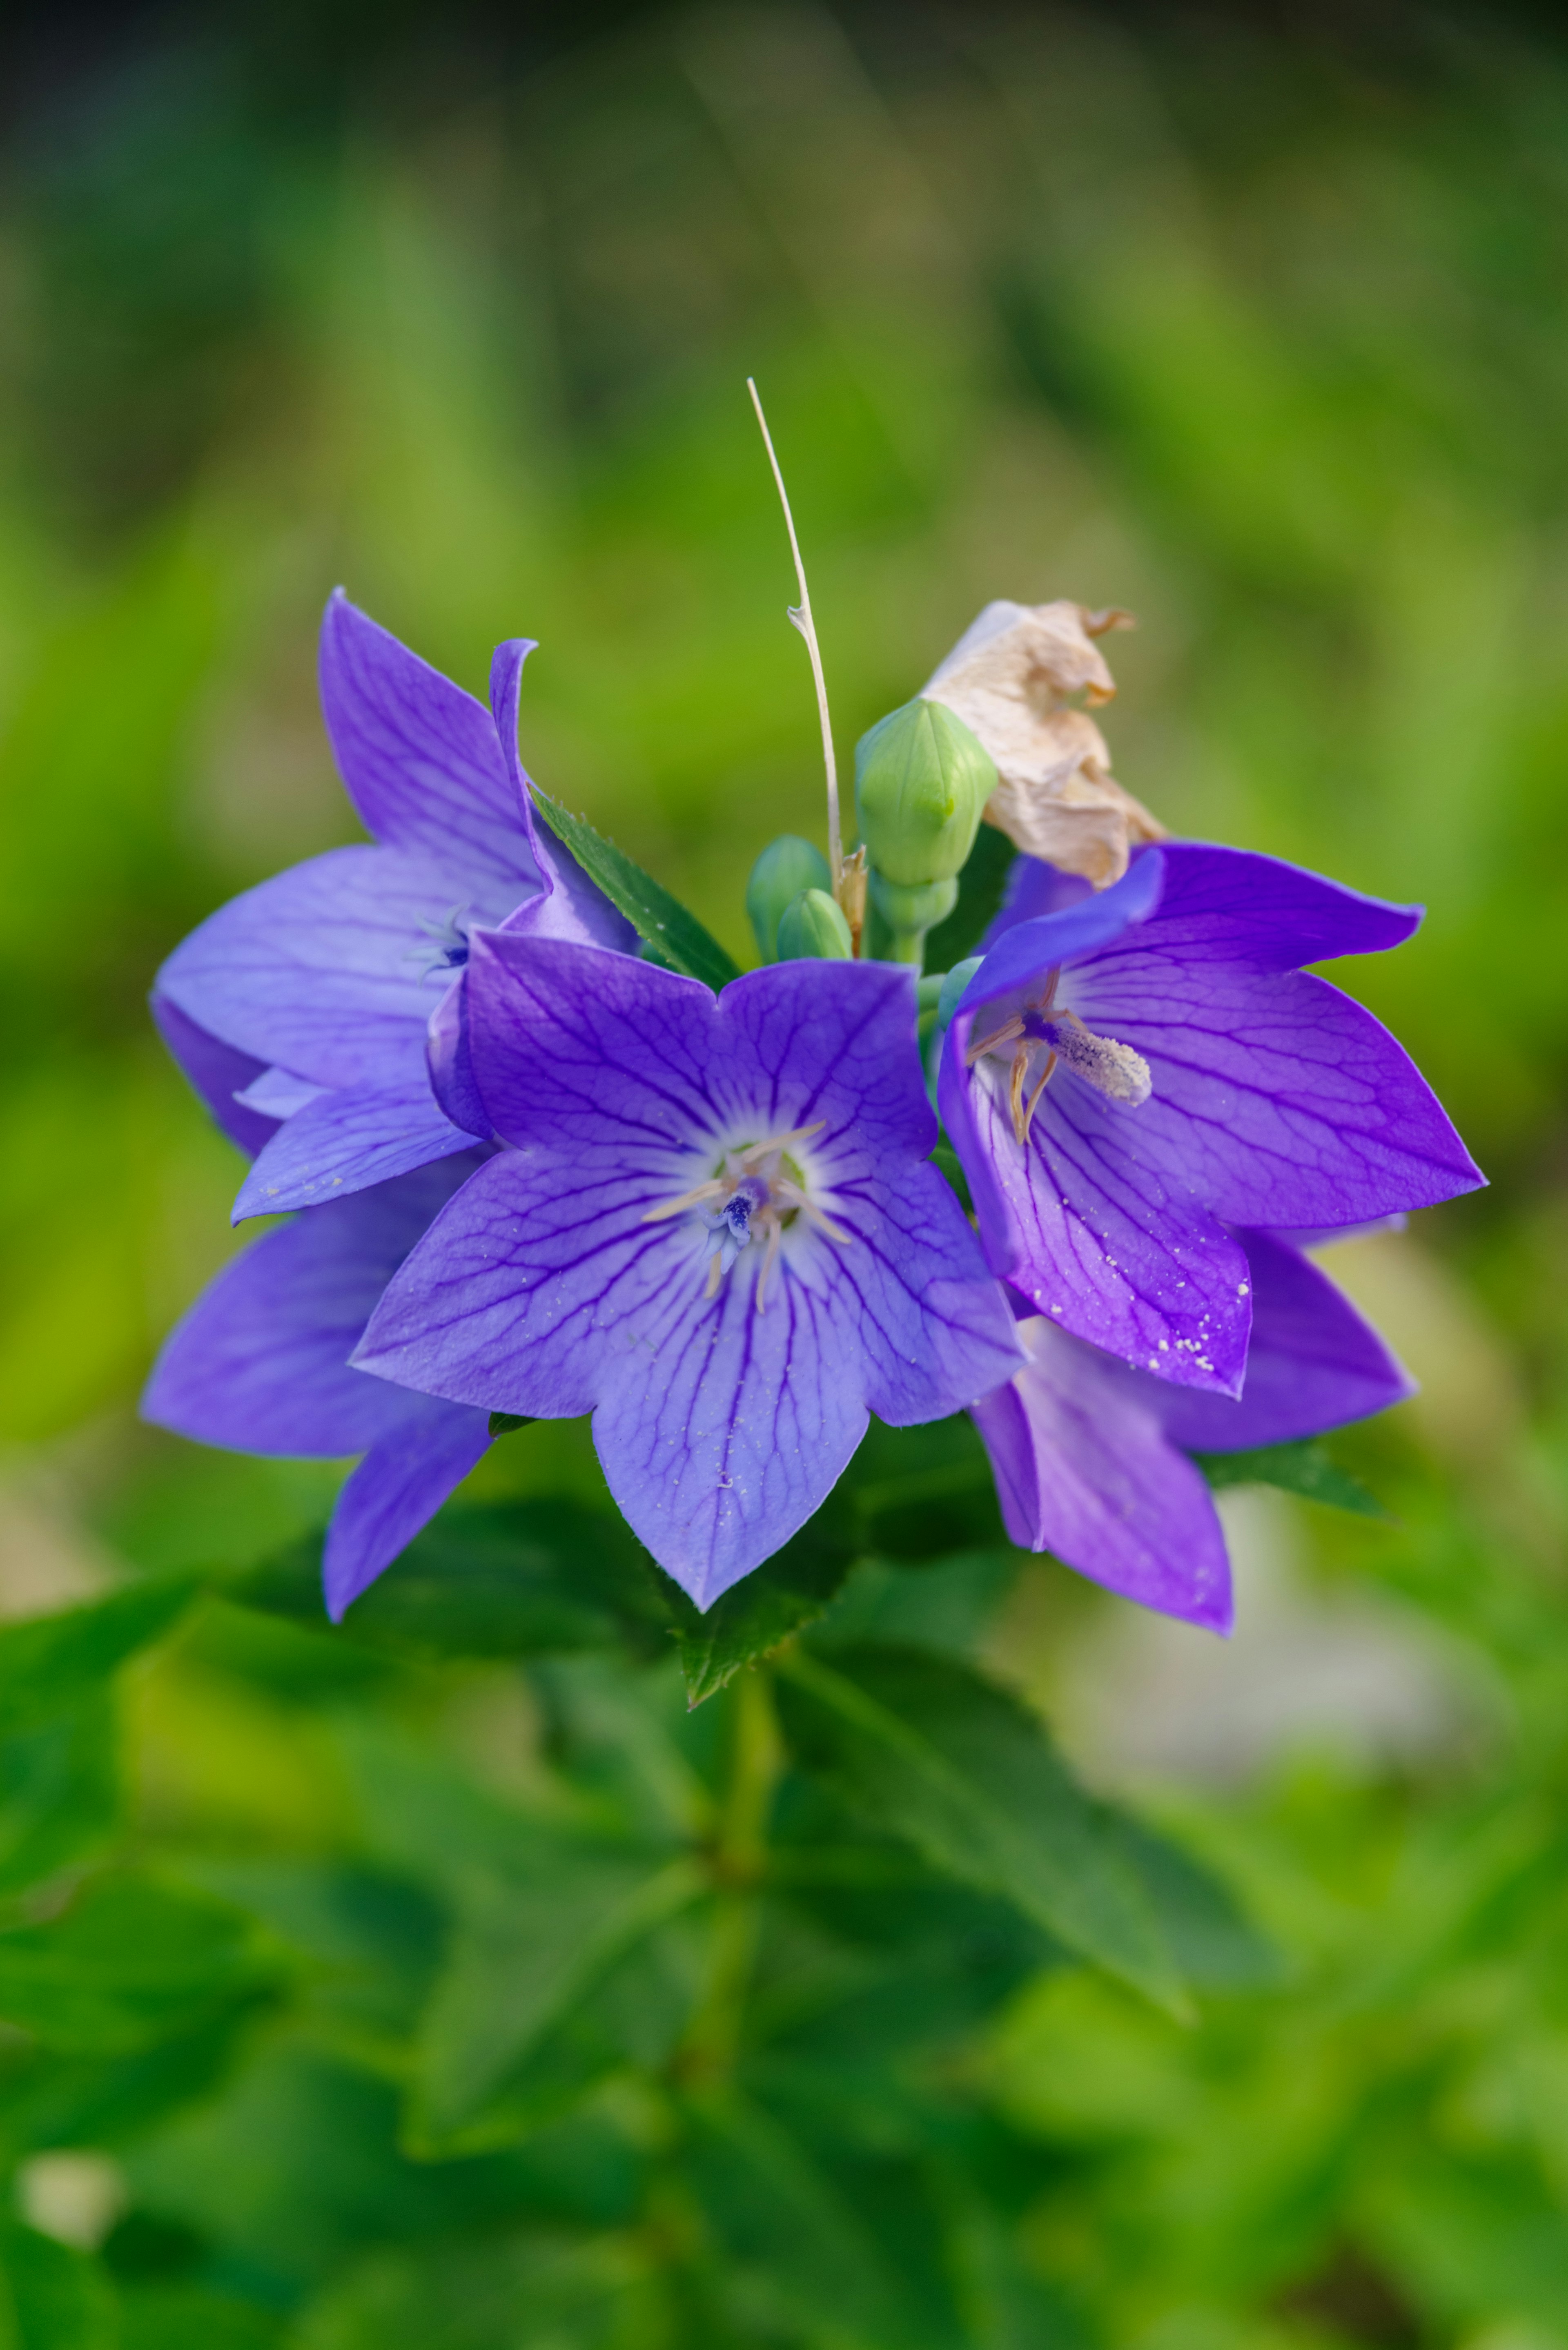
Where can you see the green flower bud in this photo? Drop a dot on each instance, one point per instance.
(813, 925)
(787, 867)
(920, 908)
(921, 779)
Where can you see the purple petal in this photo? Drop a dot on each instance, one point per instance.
(217, 1072)
(1314, 1364)
(318, 969)
(1118, 1253)
(1033, 888)
(260, 1363)
(1276, 1099)
(569, 906)
(1030, 949)
(1083, 1470)
(418, 756)
(1233, 906)
(343, 1142)
(545, 1289)
(395, 1492)
(450, 1064)
(277, 1094)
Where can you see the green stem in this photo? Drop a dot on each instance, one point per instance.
(908, 946)
(739, 1861)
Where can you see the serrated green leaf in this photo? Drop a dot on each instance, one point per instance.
(522, 1578)
(672, 936)
(791, 1590)
(52, 1662)
(1303, 1468)
(923, 1749)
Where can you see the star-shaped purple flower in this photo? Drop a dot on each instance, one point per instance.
(1130, 1076)
(300, 1010)
(260, 1364)
(714, 1226)
(1091, 1456)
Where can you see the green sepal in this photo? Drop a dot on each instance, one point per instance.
(670, 935)
(507, 1424)
(1303, 1468)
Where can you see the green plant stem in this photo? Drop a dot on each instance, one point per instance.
(739, 1862)
(908, 946)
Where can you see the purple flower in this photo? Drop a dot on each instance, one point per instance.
(1128, 1076)
(260, 1364)
(1087, 1452)
(715, 1227)
(306, 1001)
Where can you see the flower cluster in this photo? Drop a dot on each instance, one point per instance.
(535, 1170)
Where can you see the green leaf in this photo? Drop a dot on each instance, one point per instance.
(1215, 1945)
(92, 2100)
(60, 2299)
(809, 2260)
(505, 2042)
(522, 1578)
(507, 1424)
(791, 1590)
(917, 1494)
(129, 1961)
(544, 1910)
(943, 1605)
(48, 1664)
(1303, 1468)
(59, 1793)
(193, 2317)
(925, 1749)
(673, 937)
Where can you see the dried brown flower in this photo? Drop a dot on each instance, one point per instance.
(1009, 678)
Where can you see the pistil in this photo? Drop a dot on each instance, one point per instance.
(1038, 1036)
(755, 1193)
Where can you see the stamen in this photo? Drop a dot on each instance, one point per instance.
(694, 1199)
(1035, 1098)
(1015, 1082)
(1007, 1034)
(750, 1198)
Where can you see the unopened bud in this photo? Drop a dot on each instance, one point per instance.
(787, 867)
(921, 779)
(919, 908)
(812, 925)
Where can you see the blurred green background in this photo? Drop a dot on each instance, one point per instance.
(1257, 324)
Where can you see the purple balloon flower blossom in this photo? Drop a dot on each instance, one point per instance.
(1131, 1077)
(714, 1226)
(300, 1010)
(1091, 1456)
(260, 1364)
